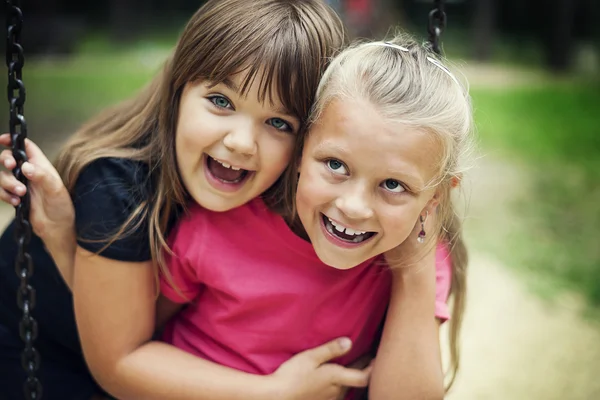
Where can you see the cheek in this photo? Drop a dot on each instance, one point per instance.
(399, 223)
(186, 149)
(191, 135)
(313, 188)
(180, 146)
(275, 152)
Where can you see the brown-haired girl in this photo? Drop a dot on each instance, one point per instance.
(241, 81)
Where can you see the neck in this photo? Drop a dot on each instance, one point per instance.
(296, 226)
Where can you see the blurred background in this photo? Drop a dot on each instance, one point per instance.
(532, 200)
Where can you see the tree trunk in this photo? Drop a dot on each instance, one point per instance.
(126, 18)
(484, 26)
(559, 40)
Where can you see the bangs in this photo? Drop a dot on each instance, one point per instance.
(277, 67)
(274, 68)
(281, 56)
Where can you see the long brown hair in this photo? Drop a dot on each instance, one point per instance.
(284, 44)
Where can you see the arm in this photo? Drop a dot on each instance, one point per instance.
(408, 363)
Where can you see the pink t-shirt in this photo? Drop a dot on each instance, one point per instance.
(259, 294)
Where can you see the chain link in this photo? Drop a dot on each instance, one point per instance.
(436, 25)
(28, 328)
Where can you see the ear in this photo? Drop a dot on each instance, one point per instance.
(433, 203)
(455, 181)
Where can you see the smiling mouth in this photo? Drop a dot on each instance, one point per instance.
(345, 234)
(225, 172)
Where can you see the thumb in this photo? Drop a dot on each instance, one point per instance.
(36, 155)
(328, 351)
(48, 182)
(40, 170)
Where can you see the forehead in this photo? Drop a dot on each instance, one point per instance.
(355, 130)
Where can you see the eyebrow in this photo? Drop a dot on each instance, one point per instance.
(328, 147)
(231, 85)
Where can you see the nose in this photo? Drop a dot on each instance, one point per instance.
(354, 204)
(242, 140)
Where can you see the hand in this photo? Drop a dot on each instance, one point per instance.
(308, 375)
(52, 213)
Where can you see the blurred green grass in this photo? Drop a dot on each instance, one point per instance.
(64, 91)
(554, 122)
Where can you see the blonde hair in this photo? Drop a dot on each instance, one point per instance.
(283, 44)
(407, 83)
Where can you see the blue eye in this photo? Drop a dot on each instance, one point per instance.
(336, 166)
(393, 186)
(221, 102)
(280, 124)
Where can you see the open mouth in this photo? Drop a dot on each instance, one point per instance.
(224, 172)
(345, 234)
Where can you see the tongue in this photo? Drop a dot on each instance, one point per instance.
(222, 173)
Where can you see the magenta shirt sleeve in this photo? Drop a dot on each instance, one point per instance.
(443, 277)
(182, 264)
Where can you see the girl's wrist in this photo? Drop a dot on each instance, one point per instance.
(62, 247)
(272, 388)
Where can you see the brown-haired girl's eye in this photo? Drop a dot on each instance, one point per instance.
(220, 101)
(280, 124)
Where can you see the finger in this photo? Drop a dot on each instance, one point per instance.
(7, 159)
(347, 376)
(40, 169)
(47, 178)
(35, 153)
(8, 198)
(328, 351)
(5, 139)
(32, 151)
(11, 184)
(362, 362)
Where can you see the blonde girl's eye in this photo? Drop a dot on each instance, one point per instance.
(392, 185)
(336, 166)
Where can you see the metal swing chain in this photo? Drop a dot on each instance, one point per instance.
(28, 329)
(436, 25)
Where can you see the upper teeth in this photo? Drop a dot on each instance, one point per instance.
(227, 165)
(341, 228)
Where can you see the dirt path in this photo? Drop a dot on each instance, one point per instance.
(515, 345)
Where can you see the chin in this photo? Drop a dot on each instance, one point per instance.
(215, 205)
(336, 262)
